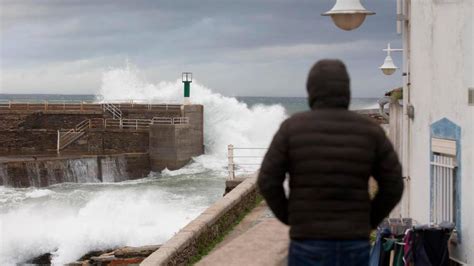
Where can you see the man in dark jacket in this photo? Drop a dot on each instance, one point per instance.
(329, 153)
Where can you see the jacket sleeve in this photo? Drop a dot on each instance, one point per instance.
(387, 171)
(273, 172)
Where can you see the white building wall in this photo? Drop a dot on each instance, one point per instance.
(441, 68)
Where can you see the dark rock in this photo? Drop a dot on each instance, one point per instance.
(126, 261)
(102, 260)
(132, 252)
(94, 253)
(44, 259)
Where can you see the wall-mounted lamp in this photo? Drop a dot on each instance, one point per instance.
(388, 67)
(348, 14)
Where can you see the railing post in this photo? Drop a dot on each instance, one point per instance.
(9, 104)
(230, 157)
(45, 105)
(121, 124)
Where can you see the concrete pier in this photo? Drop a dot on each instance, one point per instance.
(46, 171)
(42, 144)
(173, 145)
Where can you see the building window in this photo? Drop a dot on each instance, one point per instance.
(444, 189)
(446, 169)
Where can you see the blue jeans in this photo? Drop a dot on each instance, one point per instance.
(329, 253)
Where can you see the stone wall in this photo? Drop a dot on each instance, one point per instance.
(54, 120)
(98, 141)
(195, 113)
(35, 132)
(42, 141)
(18, 120)
(22, 142)
(10, 120)
(149, 114)
(207, 227)
(43, 172)
(173, 146)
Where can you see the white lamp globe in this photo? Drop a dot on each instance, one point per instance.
(388, 67)
(348, 14)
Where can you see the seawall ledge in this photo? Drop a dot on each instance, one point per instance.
(207, 227)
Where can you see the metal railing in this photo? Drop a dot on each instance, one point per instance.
(135, 124)
(170, 120)
(28, 105)
(114, 110)
(248, 160)
(68, 137)
(49, 105)
(443, 191)
(65, 138)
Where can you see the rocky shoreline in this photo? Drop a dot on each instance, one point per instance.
(121, 256)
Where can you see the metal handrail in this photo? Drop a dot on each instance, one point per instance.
(73, 134)
(74, 105)
(69, 136)
(114, 110)
(233, 166)
(170, 120)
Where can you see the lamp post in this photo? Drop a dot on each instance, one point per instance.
(348, 14)
(388, 67)
(187, 78)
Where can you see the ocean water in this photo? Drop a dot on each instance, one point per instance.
(69, 220)
(294, 105)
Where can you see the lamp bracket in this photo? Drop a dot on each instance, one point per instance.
(402, 17)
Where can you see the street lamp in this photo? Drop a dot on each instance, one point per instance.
(187, 78)
(348, 14)
(388, 67)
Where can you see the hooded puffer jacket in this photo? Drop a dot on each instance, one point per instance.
(329, 154)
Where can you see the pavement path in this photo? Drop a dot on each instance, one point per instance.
(259, 239)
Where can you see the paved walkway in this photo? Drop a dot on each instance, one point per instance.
(260, 239)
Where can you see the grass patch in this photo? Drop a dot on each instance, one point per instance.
(209, 247)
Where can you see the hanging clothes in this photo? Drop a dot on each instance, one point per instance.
(419, 246)
(408, 247)
(398, 260)
(377, 247)
(431, 245)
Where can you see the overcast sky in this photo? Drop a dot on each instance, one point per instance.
(235, 47)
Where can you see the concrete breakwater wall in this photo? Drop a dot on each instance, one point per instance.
(172, 146)
(207, 227)
(96, 141)
(46, 171)
(35, 131)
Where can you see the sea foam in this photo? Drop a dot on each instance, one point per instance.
(226, 120)
(71, 219)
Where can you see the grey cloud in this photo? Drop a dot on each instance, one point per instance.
(247, 38)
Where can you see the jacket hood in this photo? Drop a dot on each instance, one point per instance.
(328, 85)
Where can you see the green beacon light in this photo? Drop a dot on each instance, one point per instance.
(187, 79)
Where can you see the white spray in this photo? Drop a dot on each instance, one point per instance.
(226, 120)
(72, 219)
